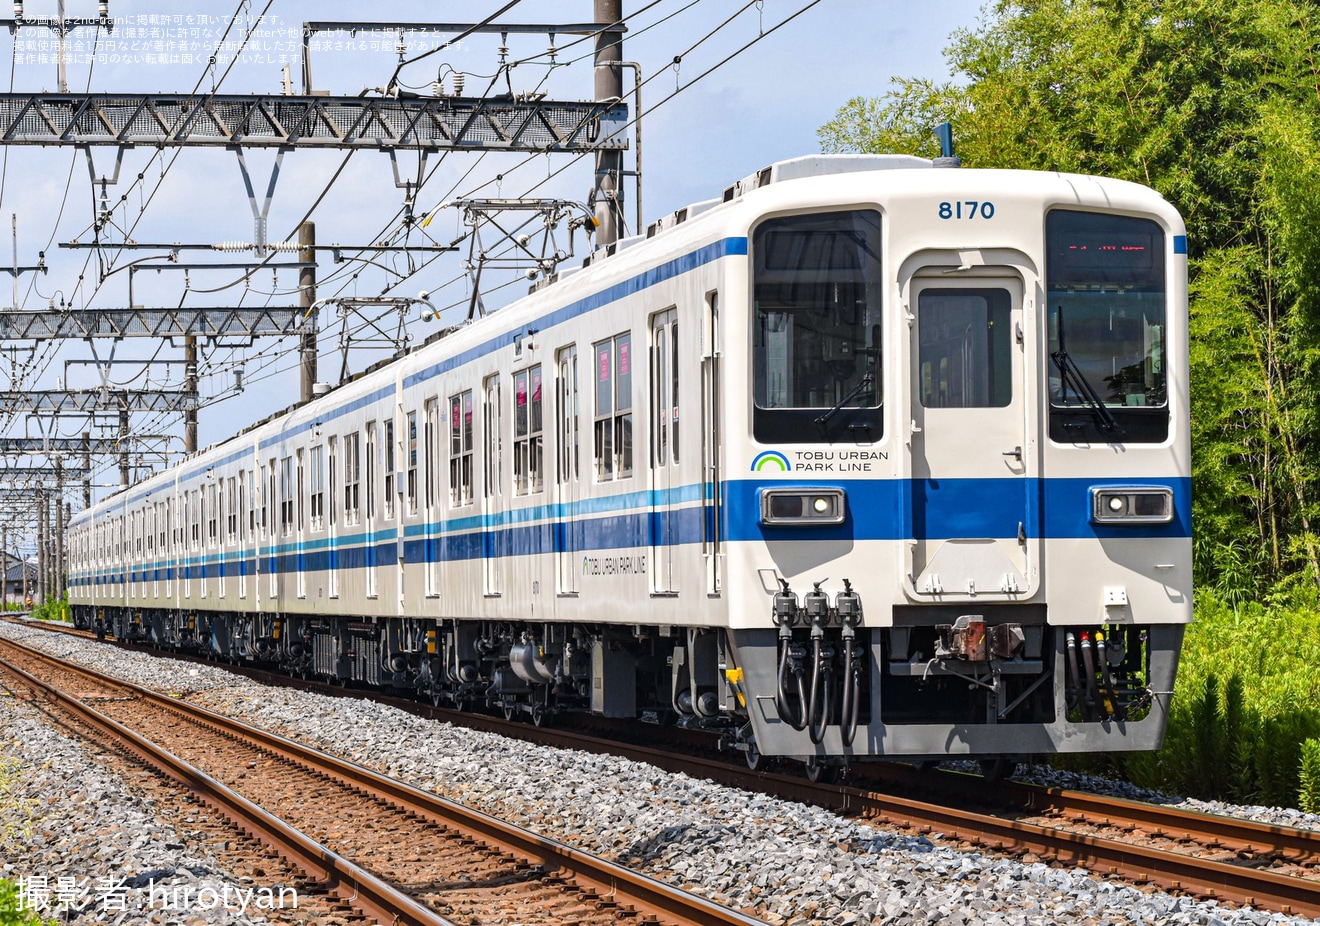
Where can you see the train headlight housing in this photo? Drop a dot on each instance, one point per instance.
(802, 507)
(1131, 505)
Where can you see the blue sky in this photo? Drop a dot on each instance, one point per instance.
(762, 106)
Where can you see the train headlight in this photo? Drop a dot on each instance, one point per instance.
(1131, 505)
(802, 507)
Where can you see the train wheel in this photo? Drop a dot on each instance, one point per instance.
(820, 772)
(509, 711)
(755, 761)
(997, 770)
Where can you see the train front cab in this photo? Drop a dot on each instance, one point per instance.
(1035, 511)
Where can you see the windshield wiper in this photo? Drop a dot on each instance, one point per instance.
(867, 381)
(1070, 374)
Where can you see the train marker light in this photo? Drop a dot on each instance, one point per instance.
(1131, 505)
(802, 507)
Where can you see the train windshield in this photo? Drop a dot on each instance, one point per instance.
(816, 327)
(1107, 314)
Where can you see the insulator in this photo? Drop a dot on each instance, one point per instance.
(18, 9)
(103, 8)
(459, 81)
(282, 247)
(437, 88)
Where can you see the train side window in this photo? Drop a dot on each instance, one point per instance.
(494, 438)
(527, 428)
(430, 448)
(460, 449)
(231, 510)
(613, 422)
(316, 479)
(390, 468)
(352, 477)
(372, 463)
(332, 481)
(212, 516)
(286, 495)
(317, 486)
(301, 493)
(410, 458)
(274, 501)
(568, 415)
(244, 508)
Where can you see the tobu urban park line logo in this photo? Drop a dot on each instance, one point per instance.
(771, 461)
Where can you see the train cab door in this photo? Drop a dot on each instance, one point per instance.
(972, 451)
(664, 451)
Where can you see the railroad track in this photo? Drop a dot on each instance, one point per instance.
(1206, 855)
(431, 859)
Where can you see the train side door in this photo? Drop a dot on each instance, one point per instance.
(973, 466)
(568, 544)
(664, 451)
(492, 543)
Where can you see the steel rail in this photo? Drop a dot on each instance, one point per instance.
(355, 886)
(646, 895)
(1162, 868)
(1232, 833)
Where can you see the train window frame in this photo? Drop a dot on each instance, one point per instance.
(286, 496)
(1122, 279)
(566, 408)
(316, 485)
(231, 511)
(986, 341)
(389, 469)
(430, 449)
(352, 478)
(613, 435)
(777, 306)
(370, 451)
(461, 439)
(528, 430)
(493, 446)
(410, 462)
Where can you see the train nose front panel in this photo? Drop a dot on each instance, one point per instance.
(972, 530)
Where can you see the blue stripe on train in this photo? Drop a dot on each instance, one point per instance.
(885, 509)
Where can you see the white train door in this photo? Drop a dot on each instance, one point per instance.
(492, 542)
(569, 545)
(664, 451)
(973, 466)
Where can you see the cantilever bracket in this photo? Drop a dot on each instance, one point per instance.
(260, 215)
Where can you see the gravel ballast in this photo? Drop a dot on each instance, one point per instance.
(80, 840)
(788, 862)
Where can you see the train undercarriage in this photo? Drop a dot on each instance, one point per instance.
(938, 684)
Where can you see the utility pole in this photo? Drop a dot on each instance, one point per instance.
(123, 447)
(43, 513)
(87, 469)
(190, 388)
(4, 548)
(307, 287)
(609, 86)
(57, 541)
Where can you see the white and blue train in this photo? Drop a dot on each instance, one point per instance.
(866, 458)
